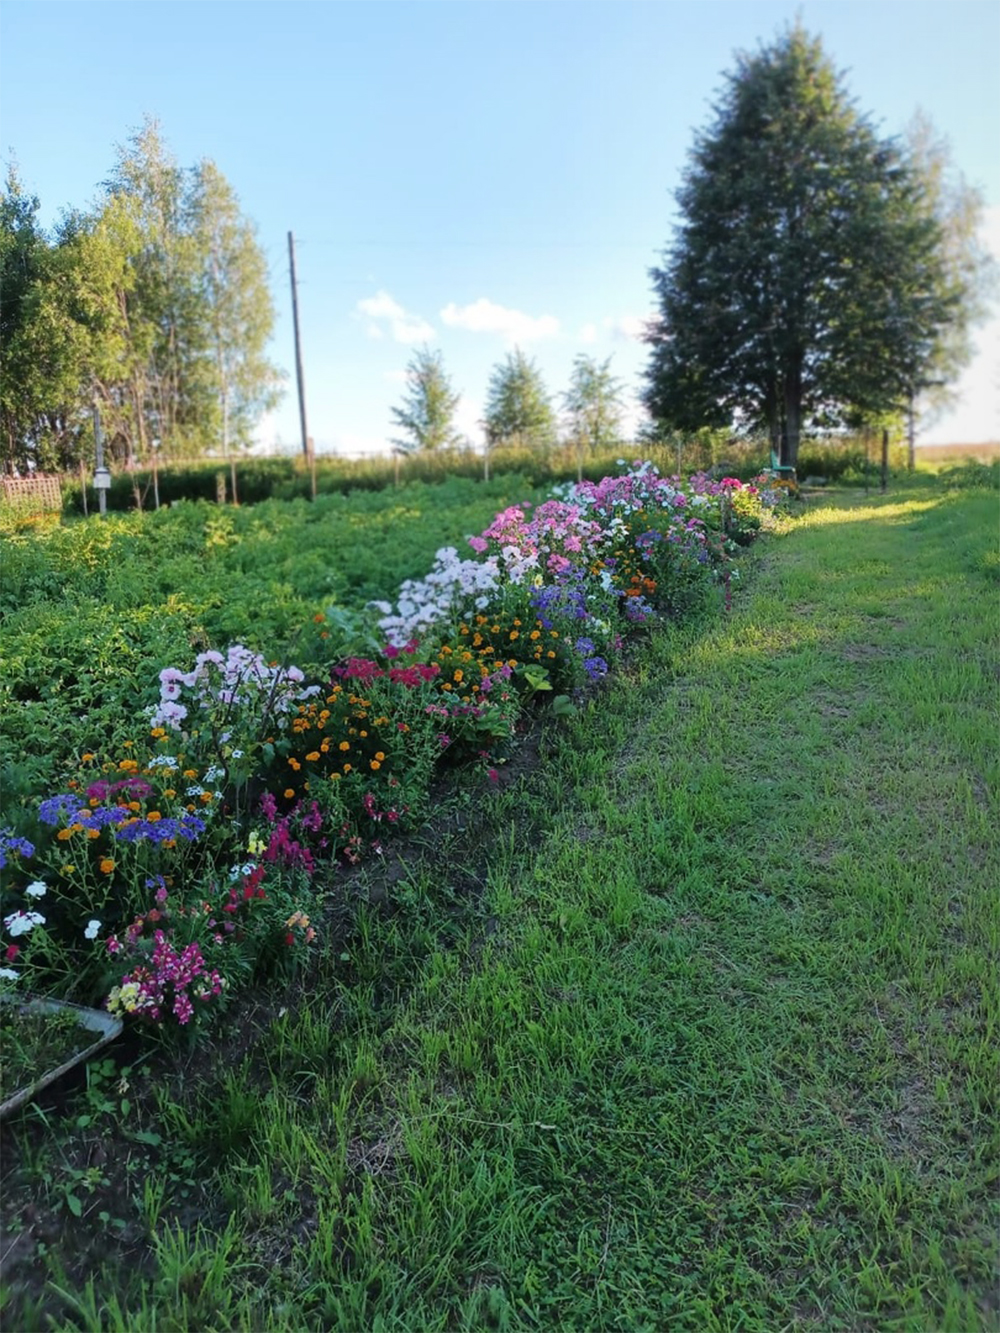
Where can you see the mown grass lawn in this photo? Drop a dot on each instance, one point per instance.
(702, 1037)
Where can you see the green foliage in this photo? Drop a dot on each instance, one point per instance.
(428, 413)
(807, 280)
(154, 304)
(92, 611)
(593, 405)
(518, 409)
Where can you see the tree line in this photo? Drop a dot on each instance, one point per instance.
(821, 277)
(519, 410)
(153, 306)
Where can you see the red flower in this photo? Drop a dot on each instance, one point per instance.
(12, 952)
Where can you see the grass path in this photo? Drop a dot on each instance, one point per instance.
(728, 1060)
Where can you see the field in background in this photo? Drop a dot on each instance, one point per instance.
(947, 455)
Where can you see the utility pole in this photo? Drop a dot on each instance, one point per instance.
(298, 347)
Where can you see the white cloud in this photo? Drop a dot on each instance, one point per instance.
(627, 328)
(381, 311)
(485, 316)
(588, 334)
(468, 420)
(396, 376)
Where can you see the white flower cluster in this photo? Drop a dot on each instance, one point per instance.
(241, 678)
(23, 923)
(451, 585)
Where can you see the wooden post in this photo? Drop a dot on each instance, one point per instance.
(885, 459)
(911, 434)
(298, 346)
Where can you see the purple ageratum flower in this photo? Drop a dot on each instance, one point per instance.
(595, 667)
(585, 647)
(158, 831)
(17, 846)
(55, 809)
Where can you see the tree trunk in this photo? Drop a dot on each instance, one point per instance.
(793, 416)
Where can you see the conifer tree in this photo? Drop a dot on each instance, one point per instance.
(806, 280)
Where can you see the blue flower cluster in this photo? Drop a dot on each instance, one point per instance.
(10, 843)
(566, 598)
(55, 809)
(595, 667)
(187, 827)
(66, 808)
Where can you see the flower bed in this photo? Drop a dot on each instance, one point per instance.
(199, 856)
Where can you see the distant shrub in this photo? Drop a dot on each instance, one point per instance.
(980, 476)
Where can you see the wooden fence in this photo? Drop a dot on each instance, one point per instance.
(39, 494)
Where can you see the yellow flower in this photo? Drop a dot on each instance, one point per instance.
(87, 758)
(348, 767)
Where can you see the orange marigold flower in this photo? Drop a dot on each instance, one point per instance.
(319, 617)
(514, 634)
(289, 793)
(107, 865)
(205, 797)
(334, 777)
(344, 745)
(348, 767)
(379, 755)
(375, 765)
(294, 765)
(169, 791)
(190, 772)
(157, 732)
(153, 816)
(93, 833)
(459, 676)
(64, 834)
(87, 758)
(312, 756)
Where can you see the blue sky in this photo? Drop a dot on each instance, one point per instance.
(470, 175)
